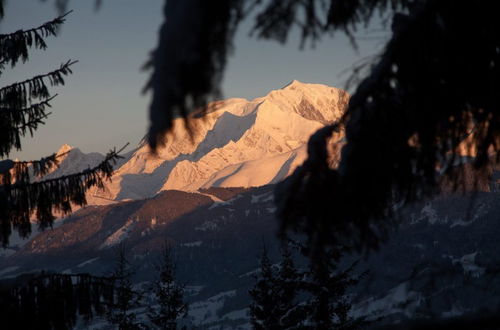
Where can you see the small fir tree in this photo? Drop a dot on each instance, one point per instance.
(126, 298)
(264, 302)
(311, 299)
(168, 295)
(274, 304)
(287, 289)
(326, 285)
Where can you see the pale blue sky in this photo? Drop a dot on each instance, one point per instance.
(101, 105)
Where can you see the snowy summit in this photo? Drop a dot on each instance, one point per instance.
(241, 143)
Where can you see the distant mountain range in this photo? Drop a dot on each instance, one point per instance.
(212, 198)
(240, 143)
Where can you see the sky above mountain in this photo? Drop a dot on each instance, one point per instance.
(101, 105)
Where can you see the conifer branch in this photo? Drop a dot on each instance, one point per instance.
(23, 171)
(20, 201)
(30, 108)
(32, 124)
(15, 122)
(18, 95)
(15, 45)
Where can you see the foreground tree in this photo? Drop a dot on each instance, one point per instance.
(409, 115)
(168, 295)
(46, 301)
(24, 194)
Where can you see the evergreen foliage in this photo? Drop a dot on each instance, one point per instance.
(15, 46)
(264, 297)
(126, 298)
(52, 301)
(288, 288)
(316, 298)
(24, 194)
(47, 301)
(328, 306)
(181, 81)
(168, 295)
(404, 121)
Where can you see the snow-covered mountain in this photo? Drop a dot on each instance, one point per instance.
(442, 260)
(240, 143)
(73, 160)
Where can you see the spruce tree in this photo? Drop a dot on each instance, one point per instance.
(315, 298)
(274, 296)
(328, 306)
(24, 194)
(287, 289)
(52, 301)
(168, 295)
(263, 307)
(125, 298)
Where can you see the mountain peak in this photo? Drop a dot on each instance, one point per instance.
(241, 143)
(293, 83)
(64, 148)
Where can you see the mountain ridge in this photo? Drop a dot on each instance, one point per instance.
(239, 143)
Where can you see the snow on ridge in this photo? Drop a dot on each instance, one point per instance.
(87, 262)
(240, 143)
(119, 235)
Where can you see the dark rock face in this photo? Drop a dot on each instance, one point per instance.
(309, 111)
(442, 261)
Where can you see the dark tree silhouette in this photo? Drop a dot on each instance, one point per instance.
(46, 301)
(264, 297)
(432, 88)
(328, 306)
(52, 301)
(288, 278)
(126, 298)
(289, 298)
(23, 107)
(433, 84)
(168, 295)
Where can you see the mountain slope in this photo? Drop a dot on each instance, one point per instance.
(239, 143)
(439, 262)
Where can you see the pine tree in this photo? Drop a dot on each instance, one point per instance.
(287, 289)
(126, 298)
(23, 107)
(52, 301)
(274, 296)
(315, 298)
(264, 299)
(168, 295)
(326, 285)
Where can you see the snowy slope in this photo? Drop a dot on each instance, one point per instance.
(240, 143)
